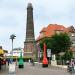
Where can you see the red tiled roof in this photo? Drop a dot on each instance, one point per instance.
(50, 30)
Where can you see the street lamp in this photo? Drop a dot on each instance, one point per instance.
(12, 37)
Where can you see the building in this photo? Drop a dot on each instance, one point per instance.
(51, 29)
(17, 52)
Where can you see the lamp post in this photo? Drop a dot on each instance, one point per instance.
(12, 37)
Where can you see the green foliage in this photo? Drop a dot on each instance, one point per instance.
(60, 42)
(58, 57)
(68, 55)
(57, 43)
(47, 41)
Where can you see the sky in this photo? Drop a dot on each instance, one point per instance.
(13, 18)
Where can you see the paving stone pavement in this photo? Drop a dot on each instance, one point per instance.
(35, 70)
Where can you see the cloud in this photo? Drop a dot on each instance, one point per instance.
(13, 17)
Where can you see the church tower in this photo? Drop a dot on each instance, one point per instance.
(29, 44)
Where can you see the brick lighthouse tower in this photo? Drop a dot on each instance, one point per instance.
(29, 44)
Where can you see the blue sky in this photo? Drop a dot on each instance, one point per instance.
(13, 18)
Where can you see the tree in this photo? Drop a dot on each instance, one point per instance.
(60, 42)
(47, 41)
(57, 43)
(67, 56)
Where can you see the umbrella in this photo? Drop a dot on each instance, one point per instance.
(1, 51)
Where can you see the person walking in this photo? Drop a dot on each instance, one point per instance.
(8, 61)
(71, 65)
(32, 61)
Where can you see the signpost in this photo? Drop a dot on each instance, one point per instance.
(49, 54)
